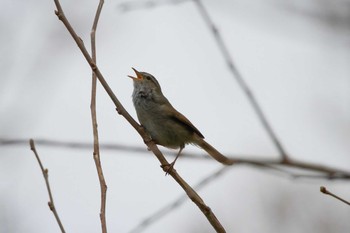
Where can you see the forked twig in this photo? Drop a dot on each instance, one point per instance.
(96, 153)
(151, 145)
(45, 172)
(327, 192)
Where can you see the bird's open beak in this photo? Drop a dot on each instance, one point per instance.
(138, 75)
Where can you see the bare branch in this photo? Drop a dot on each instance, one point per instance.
(208, 179)
(45, 172)
(151, 145)
(72, 145)
(324, 172)
(96, 153)
(325, 191)
(330, 172)
(178, 202)
(239, 78)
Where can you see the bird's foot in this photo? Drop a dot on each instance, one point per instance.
(168, 168)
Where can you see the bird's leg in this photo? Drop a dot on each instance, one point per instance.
(170, 167)
(177, 156)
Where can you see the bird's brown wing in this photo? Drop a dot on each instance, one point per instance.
(178, 117)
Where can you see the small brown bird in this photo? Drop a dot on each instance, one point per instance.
(165, 125)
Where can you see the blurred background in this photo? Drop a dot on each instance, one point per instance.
(294, 55)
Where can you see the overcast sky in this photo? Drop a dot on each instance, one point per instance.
(294, 56)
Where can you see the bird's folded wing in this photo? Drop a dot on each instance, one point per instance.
(178, 117)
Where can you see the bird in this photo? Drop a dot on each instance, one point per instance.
(163, 123)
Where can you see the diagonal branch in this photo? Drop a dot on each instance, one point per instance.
(151, 145)
(153, 218)
(96, 153)
(178, 202)
(45, 172)
(239, 78)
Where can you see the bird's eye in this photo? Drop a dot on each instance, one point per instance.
(148, 78)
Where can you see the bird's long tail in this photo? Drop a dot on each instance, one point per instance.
(213, 152)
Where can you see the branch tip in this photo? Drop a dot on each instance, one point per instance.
(45, 174)
(31, 143)
(325, 191)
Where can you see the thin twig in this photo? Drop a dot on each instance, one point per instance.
(151, 145)
(45, 172)
(325, 191)
(326, 172)
(239, 78)
(96, 153)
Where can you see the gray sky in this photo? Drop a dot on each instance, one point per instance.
(294, 56)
